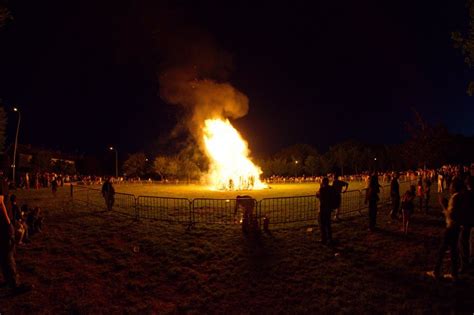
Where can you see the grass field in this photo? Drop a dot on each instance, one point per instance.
(193, 191)
(92, 262)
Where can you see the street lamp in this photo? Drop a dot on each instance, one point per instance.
(116, 161)
(15, 109)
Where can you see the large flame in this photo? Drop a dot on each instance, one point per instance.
(230, 167)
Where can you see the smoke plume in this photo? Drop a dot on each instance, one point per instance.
(194, 73)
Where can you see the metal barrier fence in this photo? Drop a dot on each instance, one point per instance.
(288, 209)
(164, 209)
(279, 210)
(215, 211)
(123, 203)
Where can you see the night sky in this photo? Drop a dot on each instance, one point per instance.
(85, 75)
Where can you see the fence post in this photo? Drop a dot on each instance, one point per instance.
(360, 202)
(72, 191)
(87, 194)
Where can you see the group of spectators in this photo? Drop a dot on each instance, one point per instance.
(458, 209)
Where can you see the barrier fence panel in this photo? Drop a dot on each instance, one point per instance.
(352, 202)
(164, 209)
(289, 209)
(90, 196)
(216, 211)
(123, 203)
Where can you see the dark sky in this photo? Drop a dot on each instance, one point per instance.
(85, 73)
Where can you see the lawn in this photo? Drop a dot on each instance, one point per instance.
(193, 191)
(88, 262)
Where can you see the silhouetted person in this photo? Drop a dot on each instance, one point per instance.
(452, 211)
(54, 186)
(338, 186)
(427, 192)
(408, 207)
(395, 196)
(467, 224)
(327, 201)
(372, 197)
(7, 241)
(420, 193)
(108, 192)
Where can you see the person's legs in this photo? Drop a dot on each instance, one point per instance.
(372, 214)
(8, 264)
(322, 227)
(453, 245)
(395, 207)
(441, 252)
(327, 224)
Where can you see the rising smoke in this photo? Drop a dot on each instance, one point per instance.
(194, 73)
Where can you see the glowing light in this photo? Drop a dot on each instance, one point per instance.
(230, 165)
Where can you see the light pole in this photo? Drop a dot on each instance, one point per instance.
(116, 161)
(15, 109)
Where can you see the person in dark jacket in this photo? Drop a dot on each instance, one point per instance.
(395, 196)
(372, 197)
(326, 196)
(108, 192)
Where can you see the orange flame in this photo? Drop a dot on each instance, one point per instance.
(230, 166)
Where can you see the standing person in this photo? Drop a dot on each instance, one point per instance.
(7, 242)
(326, 196)
(54, 185)
(426, 193)
(395, 196)
(467, 224)
(339, 187)
(440, 182)
(419, 193)
(27, 181)
(372, 197)
(108, 192)
(408, 207)
(452, 211)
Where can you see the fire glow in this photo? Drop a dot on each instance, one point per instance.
(230, 167)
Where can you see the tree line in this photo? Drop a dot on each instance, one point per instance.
(428, 146)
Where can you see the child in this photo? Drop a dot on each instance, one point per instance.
(408, 207)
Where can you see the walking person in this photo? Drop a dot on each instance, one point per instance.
(408, 207)
(108, 192)
(395, 196)
(452, 211)
(326, 196)
(339, 187)
(372, 197)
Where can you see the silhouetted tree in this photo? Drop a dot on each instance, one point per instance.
(135, 165)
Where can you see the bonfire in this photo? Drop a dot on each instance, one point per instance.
(230, 165)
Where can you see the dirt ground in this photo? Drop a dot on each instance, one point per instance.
(88, 261)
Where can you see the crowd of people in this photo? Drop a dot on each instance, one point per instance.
(458, 209)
